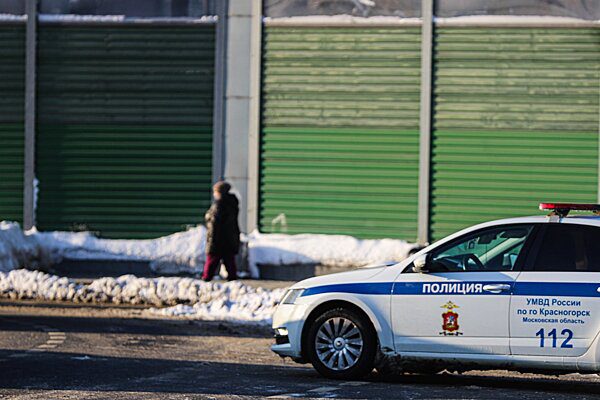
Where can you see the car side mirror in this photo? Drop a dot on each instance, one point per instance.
(421, 264)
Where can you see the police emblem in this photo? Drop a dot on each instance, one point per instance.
(450, 320)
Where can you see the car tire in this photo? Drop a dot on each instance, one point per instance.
(342, 344)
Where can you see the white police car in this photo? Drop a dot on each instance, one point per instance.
(520, 294)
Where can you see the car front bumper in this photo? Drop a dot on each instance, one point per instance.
(289, 318)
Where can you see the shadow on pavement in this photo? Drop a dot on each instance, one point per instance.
(62, 371)
(72, 371)
(514, 381)
(163, 327)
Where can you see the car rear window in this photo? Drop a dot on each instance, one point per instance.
(569, 248)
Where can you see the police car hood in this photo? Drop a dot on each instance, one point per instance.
(358, 275)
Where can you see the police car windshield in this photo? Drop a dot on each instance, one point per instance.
(494, 249)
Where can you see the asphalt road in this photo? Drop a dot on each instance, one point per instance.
(73, 352)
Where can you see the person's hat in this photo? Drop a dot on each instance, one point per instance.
(222, 187)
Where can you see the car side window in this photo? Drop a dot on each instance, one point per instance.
(494, 249)
(569, 248)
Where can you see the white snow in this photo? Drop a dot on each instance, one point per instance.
(185, 251)
(368, 3)
(524, 20)
(18, 249)
(80, 18)
(193, 298)
(179, 252)
(69, 18)
(12, 18)
(521, 20)
(189, 298)
(36, 192)
(239, 303)
(330, 250)
(344, 19)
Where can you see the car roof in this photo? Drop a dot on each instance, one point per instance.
(573, 219)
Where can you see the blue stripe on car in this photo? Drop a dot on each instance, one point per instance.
(357, 288)
(556, 289)
(416, 288)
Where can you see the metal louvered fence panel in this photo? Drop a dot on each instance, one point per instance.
(124, 142)
(339, 139)
(515, 122)
(12, 119)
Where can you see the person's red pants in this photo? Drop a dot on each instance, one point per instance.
(213, 262)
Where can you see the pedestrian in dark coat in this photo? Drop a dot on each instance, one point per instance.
(222, 232)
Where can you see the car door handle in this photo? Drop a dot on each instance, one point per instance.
(496, 288)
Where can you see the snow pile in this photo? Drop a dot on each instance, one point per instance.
(18, 249)
(345, 19)
(80, 18)
(237, 303)
(233, 301)
(185, 251)
(329, 250)
(70, 18)
(12, 18)
(475, 20)
(179, 252)
(525, 20)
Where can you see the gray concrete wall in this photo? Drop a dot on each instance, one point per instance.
(241, 104)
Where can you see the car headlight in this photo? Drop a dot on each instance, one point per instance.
(291, 296)
(281, 331)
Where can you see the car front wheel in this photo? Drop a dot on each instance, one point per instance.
(342, 344)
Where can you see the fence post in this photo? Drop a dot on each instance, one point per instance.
(220, 81)
(425, 121)
(30, 114)
(254, 120)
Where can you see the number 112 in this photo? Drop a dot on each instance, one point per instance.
(552, 334)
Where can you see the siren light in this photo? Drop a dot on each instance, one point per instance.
(563, 209)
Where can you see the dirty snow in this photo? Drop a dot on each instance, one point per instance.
(80, 18)
(256, 306)
(184, 251)
(340, 19)
(18, 249)
(329, 250)
(525, 20)
(179, 252)
(368, 3)
(69, 18)
(12, 18)
(188, 298)
(193, 298)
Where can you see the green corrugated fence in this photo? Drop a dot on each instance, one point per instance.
(515, 122)
(124, 141)
(339, 138)
(124, 134)
(12, 117)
